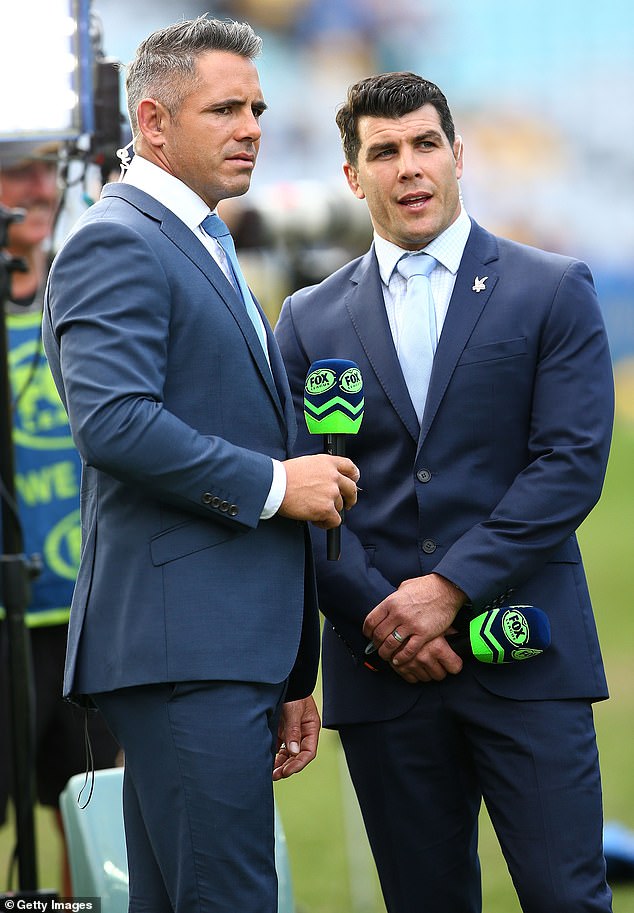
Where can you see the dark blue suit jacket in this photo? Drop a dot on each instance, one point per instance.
(176, 414)
(509, 460)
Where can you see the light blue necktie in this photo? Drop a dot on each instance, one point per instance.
(417, 338)
(216, 228)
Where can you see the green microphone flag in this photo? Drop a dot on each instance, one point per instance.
(333, 397)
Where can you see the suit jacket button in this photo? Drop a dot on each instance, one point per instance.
(423, 475)
(429, 546)
(233, 510)
(207, 498)
(215, 502)
(224, 506)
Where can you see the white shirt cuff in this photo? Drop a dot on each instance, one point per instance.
(276, 492)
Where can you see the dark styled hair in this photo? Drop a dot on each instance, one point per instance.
(164, 66)
(388, 95)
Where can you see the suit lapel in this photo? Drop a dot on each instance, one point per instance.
(468, 300)
(191, 247)
(282, 387)
(365, 305)
(177, 232)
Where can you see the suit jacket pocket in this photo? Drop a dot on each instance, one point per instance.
(188, 538)
(504, 348)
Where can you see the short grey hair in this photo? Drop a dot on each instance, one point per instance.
(164, 66)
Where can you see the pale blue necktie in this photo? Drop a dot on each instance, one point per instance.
(417, 337)
(216, 228)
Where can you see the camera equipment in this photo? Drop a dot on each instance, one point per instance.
(15, 575)
(68, 105)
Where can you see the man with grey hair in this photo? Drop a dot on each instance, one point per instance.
(194, 623)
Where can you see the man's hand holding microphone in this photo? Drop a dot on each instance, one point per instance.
(322, 487)
(318, 488)
(422, 632)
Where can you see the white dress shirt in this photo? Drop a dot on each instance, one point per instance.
(447, 249)
(191, 209)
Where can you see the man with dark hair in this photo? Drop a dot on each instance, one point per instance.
(488, 415)
(193, 625)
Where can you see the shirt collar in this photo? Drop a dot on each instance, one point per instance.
(447, 248)
(168, 190)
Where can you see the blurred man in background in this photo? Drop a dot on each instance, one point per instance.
(488, 416)
(47, 482)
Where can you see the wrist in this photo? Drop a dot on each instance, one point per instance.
(452, 592)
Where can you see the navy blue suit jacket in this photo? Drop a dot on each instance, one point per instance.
(176, 415)
(509, 460)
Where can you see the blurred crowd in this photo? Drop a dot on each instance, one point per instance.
(541, 95)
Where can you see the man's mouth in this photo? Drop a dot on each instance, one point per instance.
(414, 200)
(247, 157)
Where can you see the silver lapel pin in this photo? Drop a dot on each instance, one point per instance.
(478, 284)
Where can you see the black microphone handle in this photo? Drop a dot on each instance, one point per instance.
(459, 643)
(335, 445)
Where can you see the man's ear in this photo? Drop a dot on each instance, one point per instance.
(151, 116)
(458, 152)
(352, 176)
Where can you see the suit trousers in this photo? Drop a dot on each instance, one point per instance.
(420, 779)
(198, 794)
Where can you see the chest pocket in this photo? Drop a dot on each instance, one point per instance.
(494, 351)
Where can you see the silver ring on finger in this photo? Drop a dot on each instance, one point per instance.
(397, 637)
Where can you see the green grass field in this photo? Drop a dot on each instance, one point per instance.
(330, 861)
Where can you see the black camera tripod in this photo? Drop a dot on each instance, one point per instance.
(16, 572)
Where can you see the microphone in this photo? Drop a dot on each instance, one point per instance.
(333, 407)
(506, 635)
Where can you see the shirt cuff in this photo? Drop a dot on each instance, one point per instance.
(276, 492)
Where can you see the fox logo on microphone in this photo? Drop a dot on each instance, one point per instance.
(509, 634)
(333, 397)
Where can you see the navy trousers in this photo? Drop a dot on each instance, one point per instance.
(198, 795)
(420, 779)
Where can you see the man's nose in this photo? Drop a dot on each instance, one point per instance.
(249, 127)
(409, 165)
